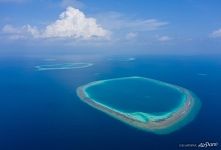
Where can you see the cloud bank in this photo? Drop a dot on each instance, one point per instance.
(71, 24)
(23, 32)
(74, 26)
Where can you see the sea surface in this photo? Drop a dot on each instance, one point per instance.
(39, 110)
(135, 95)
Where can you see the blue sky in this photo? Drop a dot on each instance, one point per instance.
(126, 26)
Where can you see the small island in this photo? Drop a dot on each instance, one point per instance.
(144, 103)
(62, 66)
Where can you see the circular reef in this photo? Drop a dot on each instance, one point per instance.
(62, 66)
(144, 103)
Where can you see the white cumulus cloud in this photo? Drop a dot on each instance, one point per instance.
(72, 24)
(216, 34)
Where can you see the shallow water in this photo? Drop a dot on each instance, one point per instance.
(135, 95)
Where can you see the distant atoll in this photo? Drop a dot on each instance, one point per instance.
(159, 122)
(62, 66)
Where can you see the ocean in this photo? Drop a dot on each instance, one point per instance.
(39, 110)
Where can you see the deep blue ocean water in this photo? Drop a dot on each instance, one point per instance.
(39, 110)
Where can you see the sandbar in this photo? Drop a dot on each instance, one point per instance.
(62, 66)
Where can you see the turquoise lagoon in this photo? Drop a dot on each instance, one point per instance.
(135, 94)
(144, 103)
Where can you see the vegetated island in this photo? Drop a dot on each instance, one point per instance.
(62, 66)
(157, 122)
